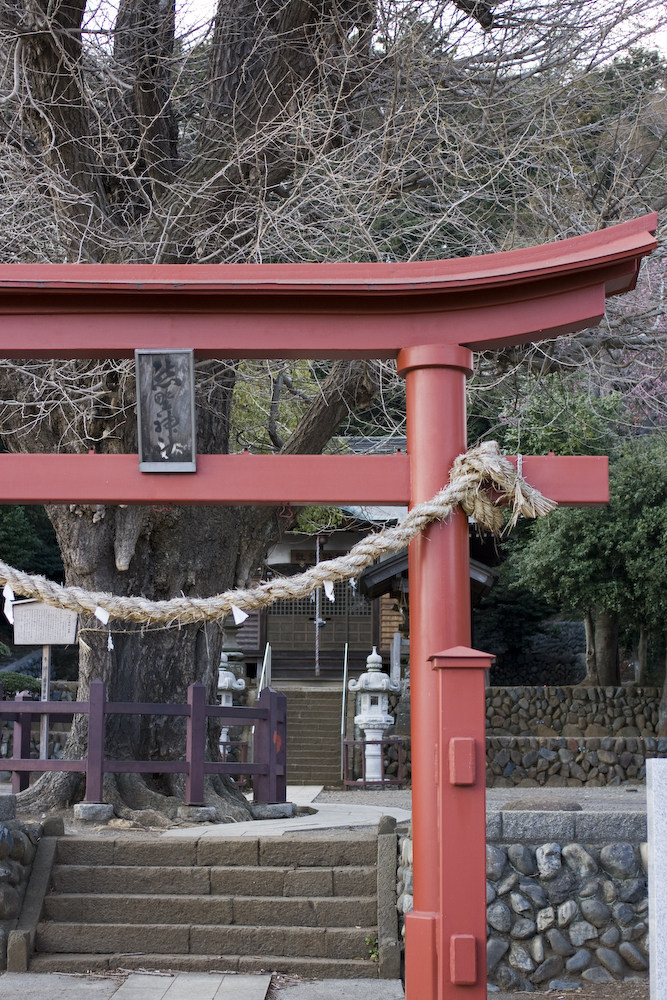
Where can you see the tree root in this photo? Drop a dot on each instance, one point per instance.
(135, 797)
(53, 791)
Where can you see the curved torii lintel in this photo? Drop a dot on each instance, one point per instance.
(339, 310)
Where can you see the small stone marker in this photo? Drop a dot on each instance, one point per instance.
(656, 805)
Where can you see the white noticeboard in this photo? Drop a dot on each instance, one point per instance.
(37, 624)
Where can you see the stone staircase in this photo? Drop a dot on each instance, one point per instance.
(300, 905)
(313, 734)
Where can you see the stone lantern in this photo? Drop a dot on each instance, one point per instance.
(374, 716)
(227, 684)
(230, 644)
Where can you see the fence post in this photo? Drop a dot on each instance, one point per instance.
(194, 745)
(96, 738)
(271, 748)
(21, 749)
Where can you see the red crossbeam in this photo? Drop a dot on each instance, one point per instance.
(265, 479)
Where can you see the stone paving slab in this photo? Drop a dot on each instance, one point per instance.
(138, 986)
(194, 986)
(347, 989)
(589, 826)
(33, 986)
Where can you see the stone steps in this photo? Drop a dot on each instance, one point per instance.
(331, 911)
(307, 737)
(226, 853)
(302, 905)
(313, 709)
(205, 939)
(237, 880)
(313, 727)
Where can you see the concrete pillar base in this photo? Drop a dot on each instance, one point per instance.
(93, 812)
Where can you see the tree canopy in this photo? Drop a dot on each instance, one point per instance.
(607, 563)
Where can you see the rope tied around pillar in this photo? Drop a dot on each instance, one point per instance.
(482, 482)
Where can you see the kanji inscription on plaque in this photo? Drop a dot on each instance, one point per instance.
(37, 624)
(165, 410)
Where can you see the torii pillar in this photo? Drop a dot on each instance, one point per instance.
(438, 567)
(428, 315)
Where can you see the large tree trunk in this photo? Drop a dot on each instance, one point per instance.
(606, 647)
(591, 658)
(642, 656)
(192, 550)
(662, 711)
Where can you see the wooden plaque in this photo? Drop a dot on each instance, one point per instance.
(166, 410)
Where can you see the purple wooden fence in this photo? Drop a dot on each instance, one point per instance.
(268, 716)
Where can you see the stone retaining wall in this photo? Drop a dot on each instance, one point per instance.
(566, 736)
(571, 912)
(532, 761)
(572, 711)
(18, 844)
(576, 711)
(564, 907)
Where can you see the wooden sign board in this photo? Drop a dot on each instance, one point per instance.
(165, 410)
(37, 624)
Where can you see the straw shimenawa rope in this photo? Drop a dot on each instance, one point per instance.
(481, 482)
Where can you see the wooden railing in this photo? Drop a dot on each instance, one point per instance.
(268, 716)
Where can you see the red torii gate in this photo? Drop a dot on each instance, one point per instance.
(430, 316)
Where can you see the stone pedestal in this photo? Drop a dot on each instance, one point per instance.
(93, 812)
(227, 684)
(374, 716)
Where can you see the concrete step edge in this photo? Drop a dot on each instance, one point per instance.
(214, 910)
(194, 939)
(285, 839)
(199, 898)
(315, 968)
(44, 925)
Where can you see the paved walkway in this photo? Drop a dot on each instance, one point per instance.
(615, 798)
(138, 986)
(339, 809)
(328, 816)
(344, 989)
(187, 986)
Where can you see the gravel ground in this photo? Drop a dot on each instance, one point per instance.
(625, 990)
(284, 987)
(619, 798)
